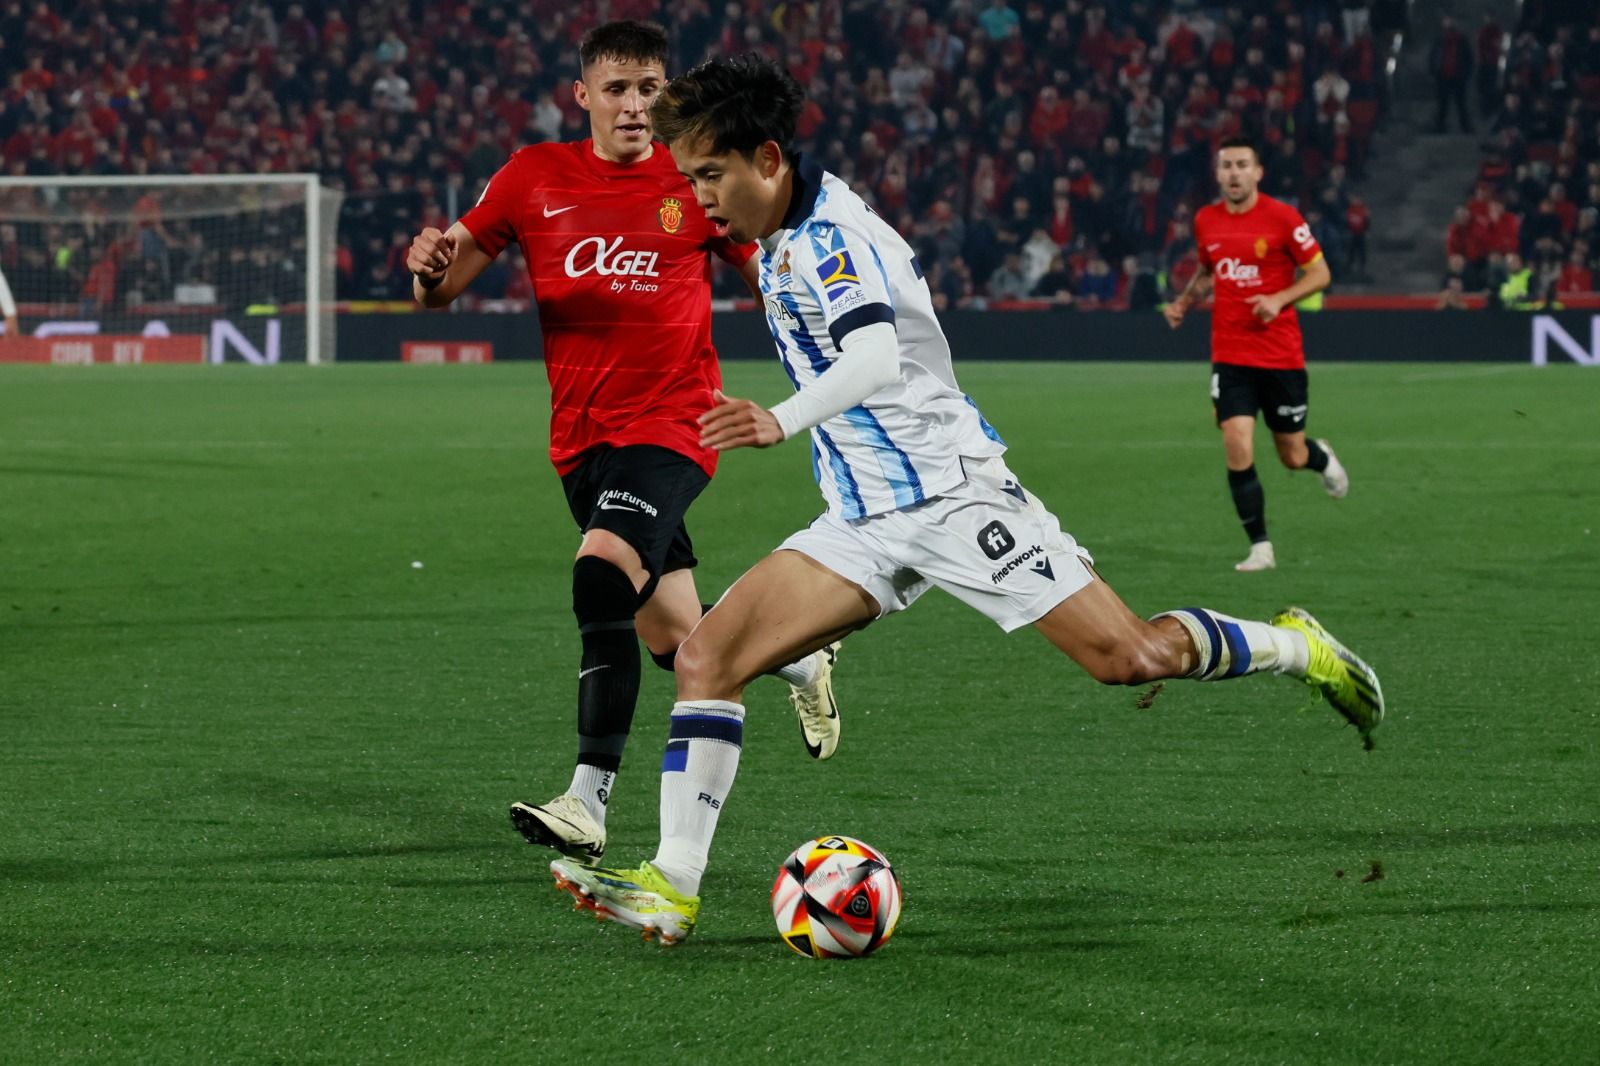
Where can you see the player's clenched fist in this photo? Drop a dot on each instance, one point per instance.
(738, 424)
(1174, 311)
(430, 254)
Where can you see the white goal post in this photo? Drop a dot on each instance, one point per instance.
(243, 265)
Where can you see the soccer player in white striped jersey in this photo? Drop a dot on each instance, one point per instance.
(918, 493)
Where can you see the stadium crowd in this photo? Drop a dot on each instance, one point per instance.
(1529, 234)
(1030, 150)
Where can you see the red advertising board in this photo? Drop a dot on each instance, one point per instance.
(85, 349)
(447, 351)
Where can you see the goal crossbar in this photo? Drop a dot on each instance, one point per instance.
(316, 261)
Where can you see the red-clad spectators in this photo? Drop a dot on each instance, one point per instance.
(1537, 191)
(410, 108)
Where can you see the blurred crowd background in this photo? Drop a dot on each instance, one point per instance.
(1031, 151)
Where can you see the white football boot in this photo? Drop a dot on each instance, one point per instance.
(1335, 482)
(814, 705)
(1260, 558)
(564, 824)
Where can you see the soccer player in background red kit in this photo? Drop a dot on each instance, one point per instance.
(619, 255)
(1250, 246)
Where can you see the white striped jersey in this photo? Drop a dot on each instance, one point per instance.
(834, 266)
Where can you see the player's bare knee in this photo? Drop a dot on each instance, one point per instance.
(702, 673)
(692, 665)
(662, 636)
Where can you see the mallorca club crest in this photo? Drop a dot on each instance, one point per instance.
(1261, 247)
(671, 213)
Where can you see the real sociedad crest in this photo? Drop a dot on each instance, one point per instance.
(671, 213)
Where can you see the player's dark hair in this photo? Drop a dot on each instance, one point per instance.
(1238, 141)
(624, 39)
(740, 104)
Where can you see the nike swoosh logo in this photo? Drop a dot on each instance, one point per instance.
(815, 750)
(585, 673)
(560, 210)
(609, 506)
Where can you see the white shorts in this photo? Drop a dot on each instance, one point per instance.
(987, 542)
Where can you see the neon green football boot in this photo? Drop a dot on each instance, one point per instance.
(1338, 673)
(642, 898)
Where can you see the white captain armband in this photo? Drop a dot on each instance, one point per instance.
(870, 360)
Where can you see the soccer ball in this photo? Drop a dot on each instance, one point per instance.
(835, 898)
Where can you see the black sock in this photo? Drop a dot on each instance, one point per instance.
(1250, 501)
(1316, 458)
(608, 678)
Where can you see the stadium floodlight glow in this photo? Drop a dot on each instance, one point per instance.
(145, 253)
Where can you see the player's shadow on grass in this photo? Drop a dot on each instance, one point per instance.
(1496, 836)
(356, 851)
(121, 469)
(50, 871)
(74, 472)
(298, 618)
(1033, 939)
(1438, 910)
(63, 871)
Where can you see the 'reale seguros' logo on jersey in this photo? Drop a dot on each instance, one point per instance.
(838, 274)
(671, 213)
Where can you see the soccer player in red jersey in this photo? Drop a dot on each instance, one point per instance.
(618, 252)
(1250, 247)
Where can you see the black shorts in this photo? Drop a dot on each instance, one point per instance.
(640, 492)
(1280, 395)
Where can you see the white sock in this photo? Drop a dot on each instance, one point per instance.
(1232, 647)
(593, 786)
(696, 773)
(801, 672)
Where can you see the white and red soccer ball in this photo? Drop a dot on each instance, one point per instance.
(835, 898)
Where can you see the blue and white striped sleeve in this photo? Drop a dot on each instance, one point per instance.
(847, 280)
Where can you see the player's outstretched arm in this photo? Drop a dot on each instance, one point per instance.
(1196, 291)
(869, 360)
(737, 423)
(442, 265)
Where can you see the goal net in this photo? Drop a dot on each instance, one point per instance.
(220, 268)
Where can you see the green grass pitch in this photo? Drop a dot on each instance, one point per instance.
(255, 761)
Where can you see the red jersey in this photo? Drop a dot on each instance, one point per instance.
(1250, 254)
(618, 257)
